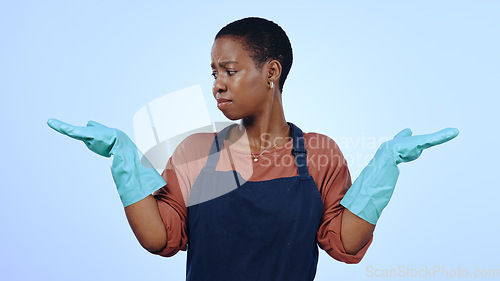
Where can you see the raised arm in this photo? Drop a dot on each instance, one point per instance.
(372, 190)
(135, 180)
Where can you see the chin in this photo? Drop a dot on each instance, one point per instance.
(232, 116)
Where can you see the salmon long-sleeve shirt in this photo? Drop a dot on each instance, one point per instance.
(325, 162)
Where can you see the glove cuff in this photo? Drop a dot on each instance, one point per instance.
(371, 191)
(134, 179)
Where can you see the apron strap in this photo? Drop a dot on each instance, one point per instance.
(299, 151)
(213, 157)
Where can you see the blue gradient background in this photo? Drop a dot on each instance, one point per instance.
(363, 70)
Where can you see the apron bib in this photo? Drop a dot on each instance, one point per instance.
(259, 230)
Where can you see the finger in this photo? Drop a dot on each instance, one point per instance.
(59, 126)
(95, 124)
(67, 129)
(404, 133)
(438, 137)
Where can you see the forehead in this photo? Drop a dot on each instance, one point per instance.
(229, 49)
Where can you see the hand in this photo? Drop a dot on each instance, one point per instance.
(407, 148)
(371, 191)
(97, 137)
(134, 176)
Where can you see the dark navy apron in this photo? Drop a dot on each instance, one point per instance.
(263, 230)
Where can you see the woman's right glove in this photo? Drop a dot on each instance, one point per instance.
(134, 180)
(372, 190)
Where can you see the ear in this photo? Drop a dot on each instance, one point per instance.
(274, 72)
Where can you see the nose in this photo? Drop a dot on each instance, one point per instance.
(219, 86)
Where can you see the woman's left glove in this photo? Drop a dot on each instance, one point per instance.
(134, 180)
(372, 190)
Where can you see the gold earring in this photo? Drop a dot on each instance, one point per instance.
(271, 85)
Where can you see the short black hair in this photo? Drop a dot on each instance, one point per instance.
(264, 40)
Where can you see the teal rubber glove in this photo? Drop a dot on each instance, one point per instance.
(372, 190)
(134, 180)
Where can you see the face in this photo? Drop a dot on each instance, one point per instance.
(240, 88)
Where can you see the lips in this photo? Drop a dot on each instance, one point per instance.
(223, 103)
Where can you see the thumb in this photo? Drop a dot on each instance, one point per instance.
(92, 123)
(404, 133)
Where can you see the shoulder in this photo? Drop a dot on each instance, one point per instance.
(319, 143)
(193, 147)
(196, 140)
(327, 165)
(323, 148)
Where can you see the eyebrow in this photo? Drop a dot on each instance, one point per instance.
(224, 63)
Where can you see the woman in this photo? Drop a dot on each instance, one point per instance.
(253, 201)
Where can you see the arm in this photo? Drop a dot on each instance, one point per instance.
(160, 221)
(146, 223)
(344, 236)
(371, 191)
(355, 232)
(135, 178)
(151, 217)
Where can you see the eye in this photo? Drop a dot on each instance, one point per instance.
(230, 72)
(214, 75)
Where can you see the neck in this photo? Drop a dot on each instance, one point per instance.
(267, 129)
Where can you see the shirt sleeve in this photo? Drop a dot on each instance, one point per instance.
(334, 181)
(180, 172)
(173, 211)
